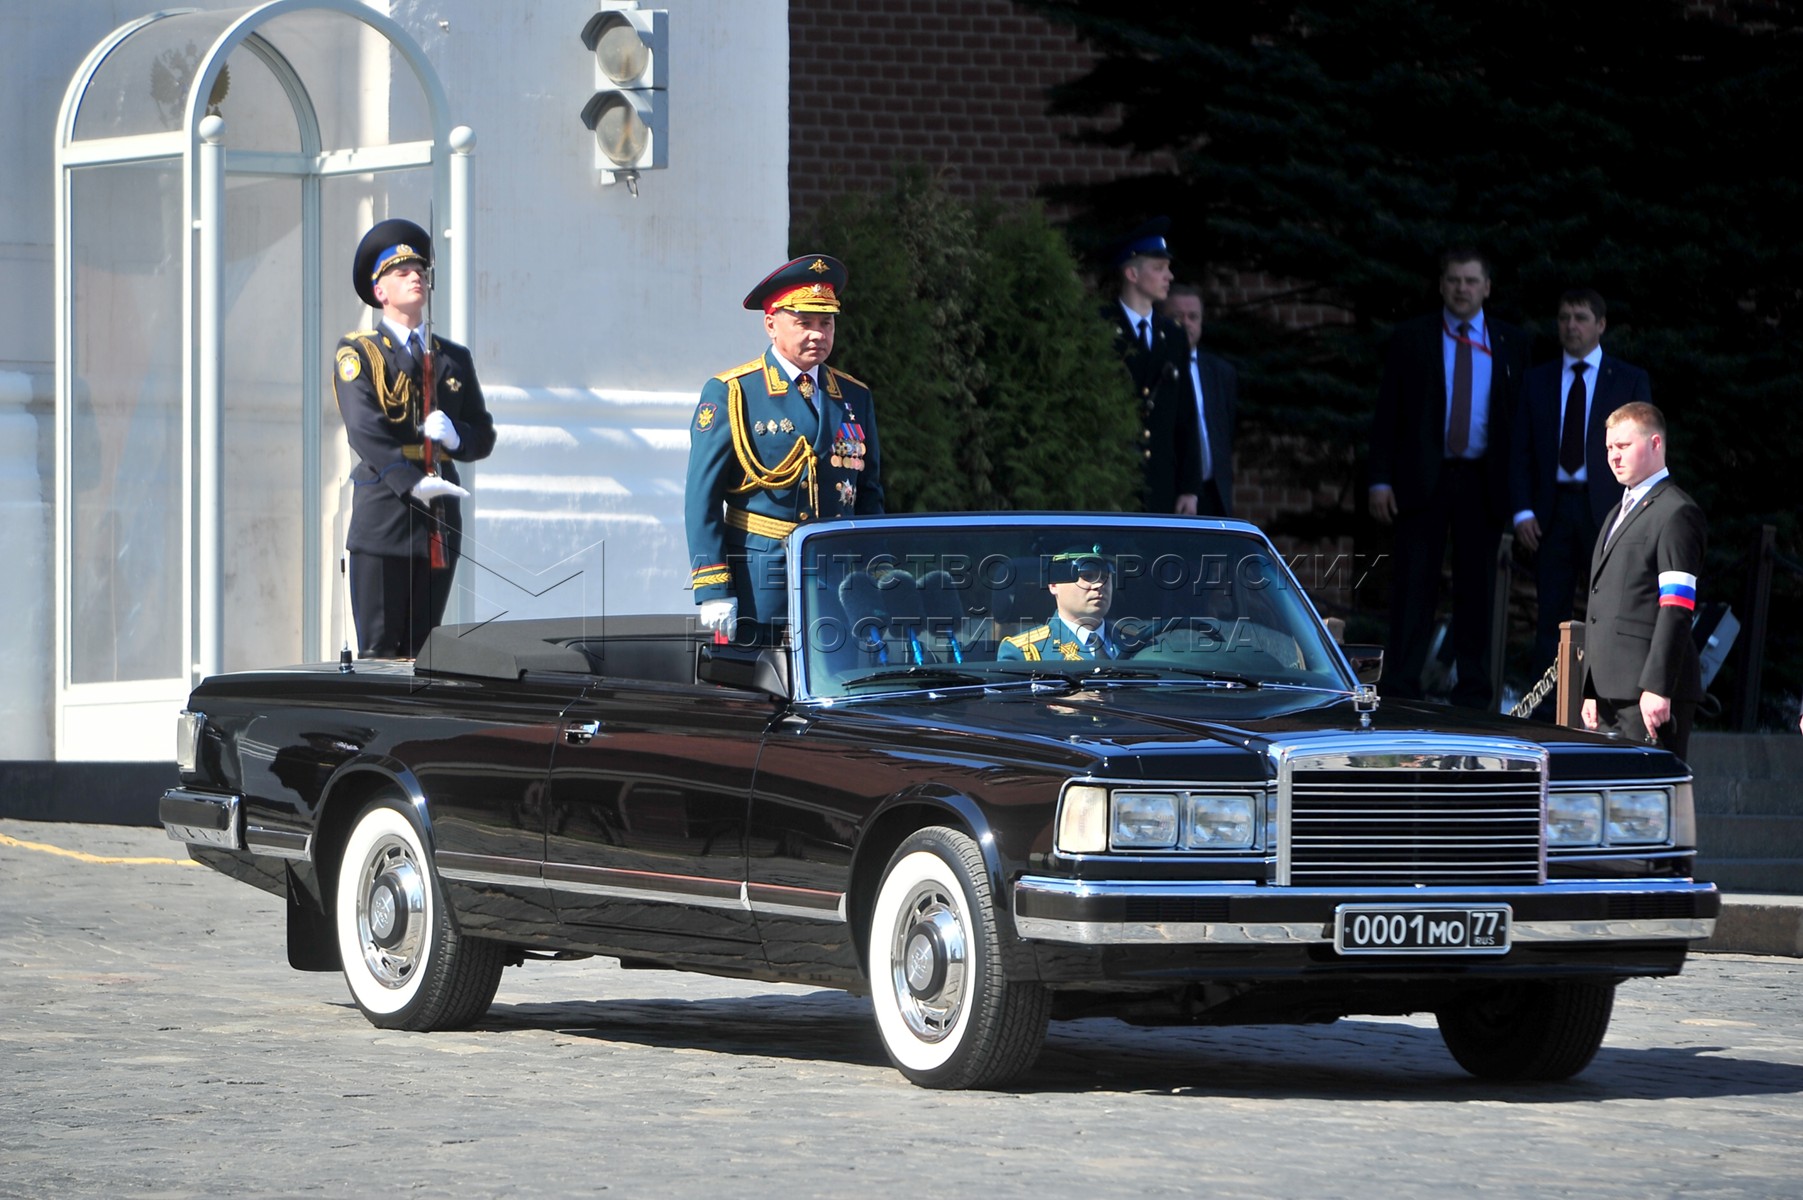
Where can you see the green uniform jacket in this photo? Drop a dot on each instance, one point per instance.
(759, 455)
(1056, 641)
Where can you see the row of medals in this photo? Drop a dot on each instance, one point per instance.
(848, 452)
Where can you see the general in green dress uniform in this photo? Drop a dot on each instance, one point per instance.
(1082, 587)
(775, 443)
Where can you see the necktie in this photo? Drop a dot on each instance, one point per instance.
(416, 347)
(1458, 426)
(1145, 333)
(1195, 377)
(1621, 514)
(1571, 438)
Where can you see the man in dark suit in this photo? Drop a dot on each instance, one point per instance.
(1216, 387)
(1439, 469)
(406, 523)
(1642, 677)
(1156, 355)
(1560, 485)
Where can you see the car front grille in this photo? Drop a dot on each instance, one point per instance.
(1452, 825)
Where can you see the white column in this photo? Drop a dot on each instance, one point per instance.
(209, 513)
(462, 262)
(26, 591)
(463, 259)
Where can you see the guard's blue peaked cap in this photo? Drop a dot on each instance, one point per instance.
(1147, 240)
(388, 244)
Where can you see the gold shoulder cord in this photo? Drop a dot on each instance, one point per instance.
(785, 474)
(396, 402)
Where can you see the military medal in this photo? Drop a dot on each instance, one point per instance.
(788, 426)
(848, 493)
(758, 428)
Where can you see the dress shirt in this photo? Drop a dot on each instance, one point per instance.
(792, 371)
(1591, 361)
(1136, 320)
(401, 334)
(1195, 378)
(1634, 495)
(1479, 437)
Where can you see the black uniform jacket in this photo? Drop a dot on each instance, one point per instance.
(1170, 447)
(378, 388)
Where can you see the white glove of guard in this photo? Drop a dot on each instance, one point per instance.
(721, 616)
(442, 430)
(434, 487)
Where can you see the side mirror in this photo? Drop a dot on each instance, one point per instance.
(764, 669)
(1367, 661)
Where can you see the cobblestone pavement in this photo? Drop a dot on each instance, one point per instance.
(155, 1043)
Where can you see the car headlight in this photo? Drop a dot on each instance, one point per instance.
(1143, 821)
(1093, 818)
(1639, 817)
(1219, 822)
(1083, 820)
(1574, 819)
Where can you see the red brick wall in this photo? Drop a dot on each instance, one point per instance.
(963, 85)
(958, 84)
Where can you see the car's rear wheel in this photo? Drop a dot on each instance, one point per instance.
(407, 966)
(1529, 1031)
(948, 1015)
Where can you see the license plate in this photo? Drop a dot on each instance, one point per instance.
(1421, 929)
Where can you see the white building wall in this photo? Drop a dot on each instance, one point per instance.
(597, 315)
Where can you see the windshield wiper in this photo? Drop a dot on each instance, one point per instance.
(1227, 677)
(925, 676)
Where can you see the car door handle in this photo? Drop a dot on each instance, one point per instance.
(579, 733)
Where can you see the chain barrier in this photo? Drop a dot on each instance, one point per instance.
(1528, 703)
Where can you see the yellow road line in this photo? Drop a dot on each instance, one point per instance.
(83, 856)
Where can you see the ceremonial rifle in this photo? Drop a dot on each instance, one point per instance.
(428, 397)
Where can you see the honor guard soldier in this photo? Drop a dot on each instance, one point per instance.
(406, 523)
(1155, 351)
(1082, 587)
(777, 442)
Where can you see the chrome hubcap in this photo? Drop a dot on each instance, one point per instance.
(930, 954)
(391, 913)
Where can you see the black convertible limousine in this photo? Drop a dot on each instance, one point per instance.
(923, 791)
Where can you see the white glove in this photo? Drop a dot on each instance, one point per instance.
(434, 487)
(721, 616)
(442, 429)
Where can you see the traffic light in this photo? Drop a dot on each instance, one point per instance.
(629, 111)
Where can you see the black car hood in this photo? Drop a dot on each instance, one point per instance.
(1156, 729)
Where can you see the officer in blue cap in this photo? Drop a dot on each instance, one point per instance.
(1156, 352)
(406, 523)
(1081, 580)
(775, 443)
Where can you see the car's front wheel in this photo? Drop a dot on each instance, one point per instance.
(948, 1014)
(407, 966)
(1543, 1030)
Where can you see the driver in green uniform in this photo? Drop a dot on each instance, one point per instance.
(1082, 587)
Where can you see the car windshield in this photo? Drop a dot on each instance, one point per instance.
(932, 605)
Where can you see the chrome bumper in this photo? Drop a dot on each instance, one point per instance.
(1087, 912)
(201, 818)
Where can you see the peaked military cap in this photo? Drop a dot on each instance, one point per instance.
(389, 244)
(1080, 562)
(811, 283)
(1147, 240)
